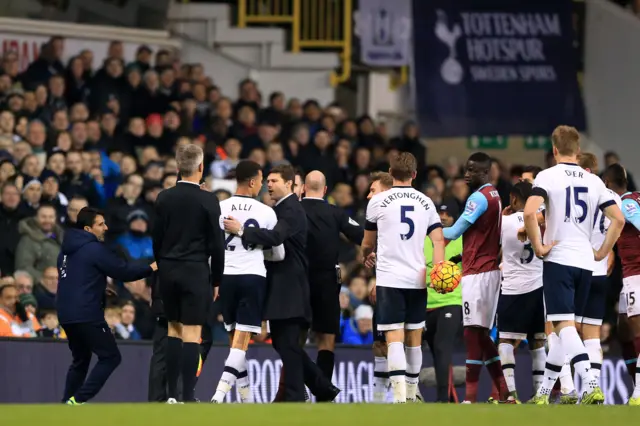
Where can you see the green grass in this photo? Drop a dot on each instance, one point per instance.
(315, 414)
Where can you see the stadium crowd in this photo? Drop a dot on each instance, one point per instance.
(104, 135)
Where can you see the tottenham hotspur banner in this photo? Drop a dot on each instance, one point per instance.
(495, 67)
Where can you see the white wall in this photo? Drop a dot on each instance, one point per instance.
(612, 80)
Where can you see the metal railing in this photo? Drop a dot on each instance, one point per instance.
(315, 24)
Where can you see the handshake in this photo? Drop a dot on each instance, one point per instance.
(154, 266)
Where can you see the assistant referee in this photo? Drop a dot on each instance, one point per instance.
(186, 234)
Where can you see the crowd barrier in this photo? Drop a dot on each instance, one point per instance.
(33, 371)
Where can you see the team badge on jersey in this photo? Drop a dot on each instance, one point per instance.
(471, 207)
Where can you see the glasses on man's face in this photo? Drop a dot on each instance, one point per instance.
(25, 287)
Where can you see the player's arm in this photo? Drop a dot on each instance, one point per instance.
(274, 254)
(613, 213)
(631, 212)
(531, 220)
(350, 228)
(370, 229)
(437, 238)
(476, 206)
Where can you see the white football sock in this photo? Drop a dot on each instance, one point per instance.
(243, 384)
(397, 362)
(414, 364)
(538, 359)
(234, 364)
(636, 391)
(575, 350)
(553, 365)
(508, 361)
(595, 356)
(566, 378)
(380, 380)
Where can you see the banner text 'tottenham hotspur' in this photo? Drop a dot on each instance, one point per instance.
(493, 40)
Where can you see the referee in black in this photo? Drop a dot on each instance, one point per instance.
(325, 224)
(185, 235)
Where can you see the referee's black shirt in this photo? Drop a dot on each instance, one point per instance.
(325, 223)
(187, 227)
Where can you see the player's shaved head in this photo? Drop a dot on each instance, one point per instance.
(481, 159)
(477, 170)
(615, 178)
(588, 161)
(315, 181)
(566, 140)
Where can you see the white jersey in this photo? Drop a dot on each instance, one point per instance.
(403, 218)
(600, 228)
(573, 197)
(241, 259)
(521, 269)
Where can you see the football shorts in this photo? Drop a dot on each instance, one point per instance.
(480, 293)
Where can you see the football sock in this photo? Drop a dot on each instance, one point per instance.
(492, 361)
(594, 351)
(235, 363)
(397, 365)
(636, 391)
(190, 362)
(566, 378)
(414, 364)
(243, 384)
(553, 365)
(538, 358)
(174, 362)
(474, 362)
(508, 361)
(380, 379)
(630, 358)
(575, 350)
(325, 361)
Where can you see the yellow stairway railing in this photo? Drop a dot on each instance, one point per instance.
(315, 24)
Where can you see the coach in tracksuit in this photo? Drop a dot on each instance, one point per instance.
(84, 264)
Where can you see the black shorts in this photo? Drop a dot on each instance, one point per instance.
(400, 308)
(186, 291)
(594, 311)
(242, 300)
(378, 336)
(325, 302)
(566, 291)
(521, 316)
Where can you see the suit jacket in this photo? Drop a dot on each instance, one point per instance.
(187, 228)
(287, 282)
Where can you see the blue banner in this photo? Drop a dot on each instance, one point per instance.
(483, 68)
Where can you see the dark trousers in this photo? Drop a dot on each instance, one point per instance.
(299, 368)
(158, 365)
(84, 340)
(443, 326)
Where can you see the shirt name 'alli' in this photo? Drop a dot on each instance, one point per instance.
(400, 195)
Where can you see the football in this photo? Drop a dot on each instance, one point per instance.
(445, 277)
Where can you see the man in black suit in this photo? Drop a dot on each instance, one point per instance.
(185, 235)
(287, 304)
(325, 224)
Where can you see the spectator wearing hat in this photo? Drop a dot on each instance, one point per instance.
(10, 216)
(29, 302)
(156, 135)
(136, 242)
(45, 291)
(51, 194)
(358, 330)
(143, 58)
(31, 195)
(40, 242)
(15, 320)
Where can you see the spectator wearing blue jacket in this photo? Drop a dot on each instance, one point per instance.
(136, 242)
(358, 330)
(84, 264)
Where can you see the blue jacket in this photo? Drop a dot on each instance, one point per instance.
(351, 335)
(136, 247)
(84, 264)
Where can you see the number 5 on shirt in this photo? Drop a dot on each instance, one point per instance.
(405, 219)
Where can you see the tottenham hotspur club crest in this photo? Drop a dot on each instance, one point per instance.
(451, 70)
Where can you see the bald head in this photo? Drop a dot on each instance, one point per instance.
(315, 184)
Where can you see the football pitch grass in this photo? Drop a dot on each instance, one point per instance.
(316, 414)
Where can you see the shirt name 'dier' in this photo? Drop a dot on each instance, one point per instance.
(400, 195)
(502, 38)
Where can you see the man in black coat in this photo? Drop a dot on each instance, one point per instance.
(84, 264)
(326, 223)
(10, 215)
(287, 304)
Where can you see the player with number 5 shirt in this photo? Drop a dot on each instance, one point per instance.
(480, 227)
